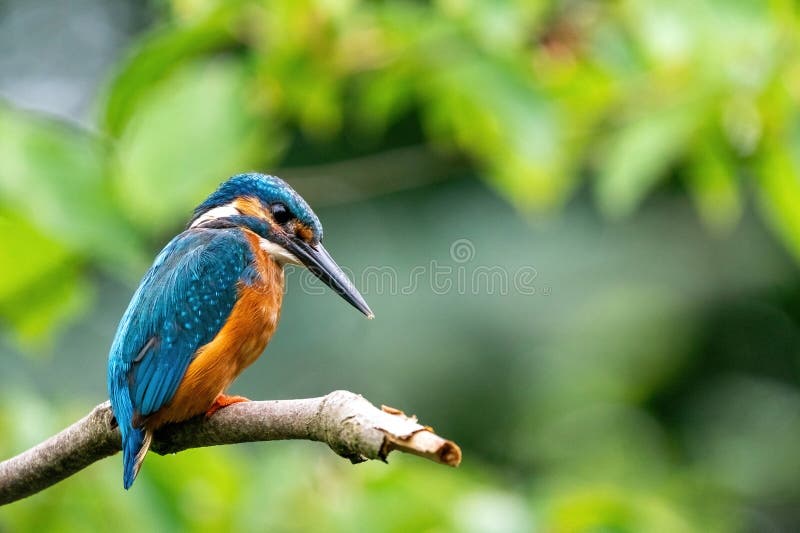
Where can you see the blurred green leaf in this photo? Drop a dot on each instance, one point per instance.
(778, 172)
(508, 123)
(54, 176)
(383, 98)
(44, 289)
(639, 154)
(668, 31)
(155, 58)
(713, 183)
(192, 131)
(589, 508)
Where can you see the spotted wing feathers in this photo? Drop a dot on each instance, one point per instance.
(182, 303)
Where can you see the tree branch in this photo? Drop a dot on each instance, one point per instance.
(349, 424)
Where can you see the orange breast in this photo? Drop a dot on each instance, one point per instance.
(238, 344)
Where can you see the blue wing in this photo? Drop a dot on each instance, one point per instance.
(182, 303)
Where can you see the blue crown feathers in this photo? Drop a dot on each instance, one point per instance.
(269, 190)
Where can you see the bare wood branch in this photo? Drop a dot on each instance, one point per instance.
(349, 424)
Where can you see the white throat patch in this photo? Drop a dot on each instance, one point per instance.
(222, 211)
(279, 253)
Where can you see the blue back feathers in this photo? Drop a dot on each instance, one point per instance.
(182, 303)
(269, 190)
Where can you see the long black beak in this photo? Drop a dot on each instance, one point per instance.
(317, 259)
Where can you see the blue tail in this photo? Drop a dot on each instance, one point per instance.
(135, 442)
(132, 445)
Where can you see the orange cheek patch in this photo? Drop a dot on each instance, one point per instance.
(303, 231)
(249, 207)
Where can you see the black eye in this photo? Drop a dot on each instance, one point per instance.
(280, 213)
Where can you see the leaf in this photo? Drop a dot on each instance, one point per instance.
(778, 172)
(190, 133)
(158, 55)
(383, 97)
(712, 181)
(668, 31)
(43, 288)
(496, 114)
(639, 154)
(53, 175)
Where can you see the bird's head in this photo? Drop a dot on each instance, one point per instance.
(288, 229)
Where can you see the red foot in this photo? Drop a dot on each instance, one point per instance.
(224, 401)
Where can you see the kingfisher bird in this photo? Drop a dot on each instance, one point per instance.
(207, 307)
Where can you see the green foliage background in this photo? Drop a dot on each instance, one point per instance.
(642, 155)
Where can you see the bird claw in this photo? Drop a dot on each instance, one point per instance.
(224, 401)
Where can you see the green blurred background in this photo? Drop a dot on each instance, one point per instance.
(640, 157)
